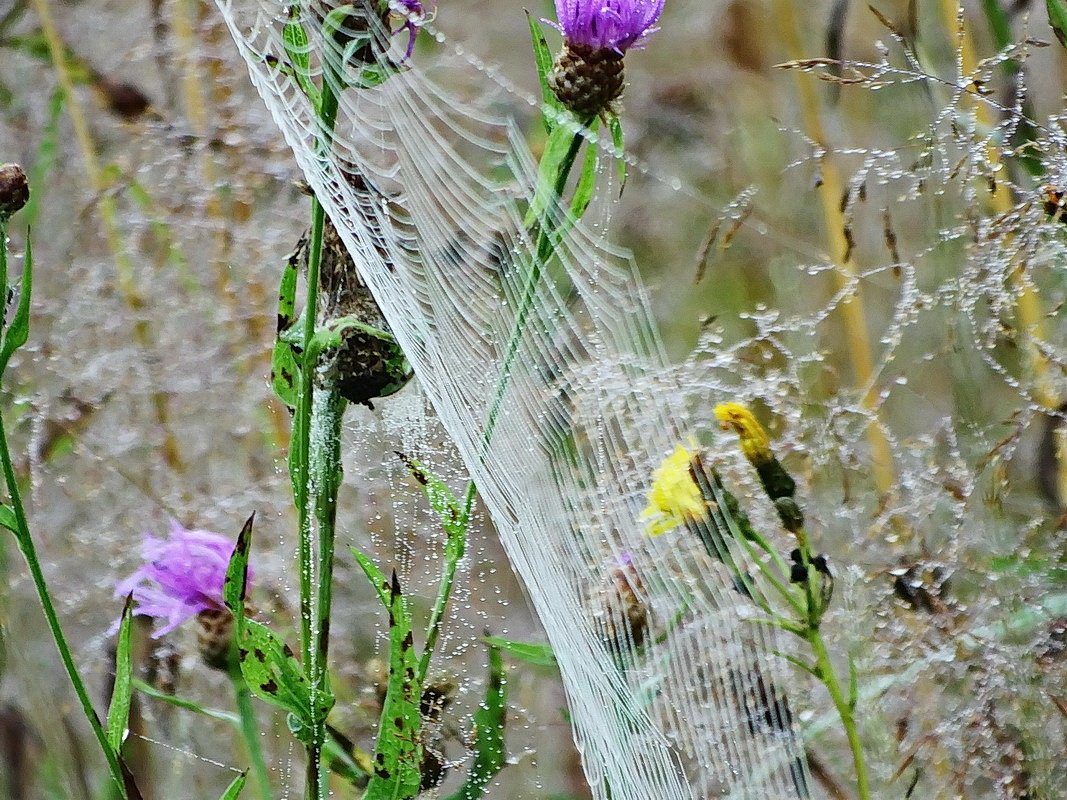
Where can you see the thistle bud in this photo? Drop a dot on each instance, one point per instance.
(586, 81)
(756, 446)
(14, 189)
(588, 77)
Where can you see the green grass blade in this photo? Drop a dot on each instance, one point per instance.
(539, 654)
(489, 720)
(18, 332)
(543, 59)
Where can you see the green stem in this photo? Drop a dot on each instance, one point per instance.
(844, 710)
(444, 590)
(545, 246)
(29, 552)
(311, 623)
(250, 731)
(326, 474)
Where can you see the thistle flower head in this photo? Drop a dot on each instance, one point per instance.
(182, 576)
(674, 498)
(755, 443)
(614, 25)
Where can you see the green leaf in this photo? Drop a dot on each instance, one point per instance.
(489, 720)
(812, 669)
(540, 654)
(329, 335)
(188, 705)
(398, 752)
(273, 674)
(334, 29)
(544, 61)
(285, 373)
(444, 502)
(118, 712)
(1057, 18)
(235, 585)
(617, 140)
(285, 363)
(295, 40)
(268, 665)
(19, 330)
(376, 577)
(552, 159)
(235, 788)
(583, 192)
(8, 519)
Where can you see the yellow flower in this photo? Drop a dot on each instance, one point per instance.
(754, 441)
(674, 498)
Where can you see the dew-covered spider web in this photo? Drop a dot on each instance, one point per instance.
(562, 424)
(553, 388)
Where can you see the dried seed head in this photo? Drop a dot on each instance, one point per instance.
(214, 633)
(586, 80)
(367, 365)
(14, 189)
(624, 612)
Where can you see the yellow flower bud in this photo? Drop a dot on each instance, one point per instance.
(754, 441)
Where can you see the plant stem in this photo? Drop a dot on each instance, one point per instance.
(326, 417)
(29, 552)
(844, 710)
(444, 590)
(314, 628)
(545, 247)
(250, 731)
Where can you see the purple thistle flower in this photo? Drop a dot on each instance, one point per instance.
(414, 13)
(182, 576)
(615, 25)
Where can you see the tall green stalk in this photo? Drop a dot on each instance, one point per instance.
(315, 578)
(250, 731)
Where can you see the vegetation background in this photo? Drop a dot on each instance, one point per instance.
(165, 203)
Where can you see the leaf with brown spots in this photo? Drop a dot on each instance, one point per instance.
(398, 753)
(445, 504)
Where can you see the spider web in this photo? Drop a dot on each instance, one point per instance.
(429, 191)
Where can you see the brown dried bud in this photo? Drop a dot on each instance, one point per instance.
(587, 81)
(214, 633)
(14, 189)
(124, 99)
(624, 613)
